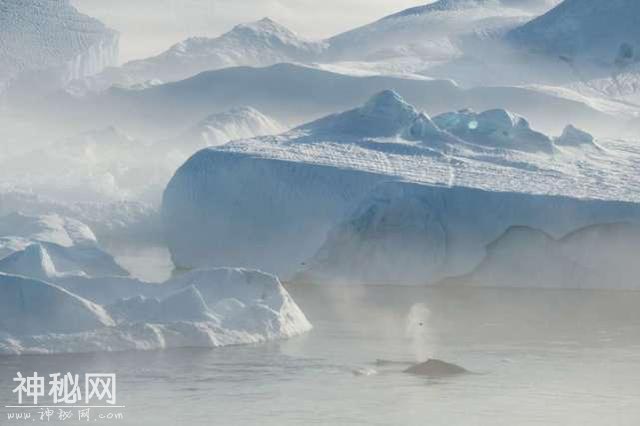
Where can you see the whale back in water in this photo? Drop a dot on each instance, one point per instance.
(436, 368)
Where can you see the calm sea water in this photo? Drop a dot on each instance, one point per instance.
(540, 358)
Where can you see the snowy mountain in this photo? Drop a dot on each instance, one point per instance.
(306, 181)
(45, 44)
(260, 43)
(606, 32)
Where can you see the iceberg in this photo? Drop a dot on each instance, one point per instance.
(46, 44)
(261, 43)
(345, 190)
(203, 308)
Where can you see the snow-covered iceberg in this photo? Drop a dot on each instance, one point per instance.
(45, 44)
(270, 202)
(260, 43)
(204, 308)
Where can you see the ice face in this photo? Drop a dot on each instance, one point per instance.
(593, 257)
(407, 233)
(32, 307)
(48, 43)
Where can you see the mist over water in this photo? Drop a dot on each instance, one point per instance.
(418, 330)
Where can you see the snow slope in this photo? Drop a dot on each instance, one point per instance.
(260, 43)
(269, 202)
(204, 308)
(46, 44)
(427, 34)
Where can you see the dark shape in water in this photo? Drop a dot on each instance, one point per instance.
(436, 368)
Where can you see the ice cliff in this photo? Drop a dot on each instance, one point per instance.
(45, 44)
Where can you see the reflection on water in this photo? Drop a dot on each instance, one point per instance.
(541, 357)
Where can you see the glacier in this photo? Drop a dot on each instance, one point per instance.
(275, 203)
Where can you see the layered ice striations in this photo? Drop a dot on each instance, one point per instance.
(45, 44)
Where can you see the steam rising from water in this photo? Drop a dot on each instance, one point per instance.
(419, 332)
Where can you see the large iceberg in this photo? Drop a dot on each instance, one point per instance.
(45, 44)
(270, 202)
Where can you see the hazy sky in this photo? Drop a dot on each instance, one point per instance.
(150, 26)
